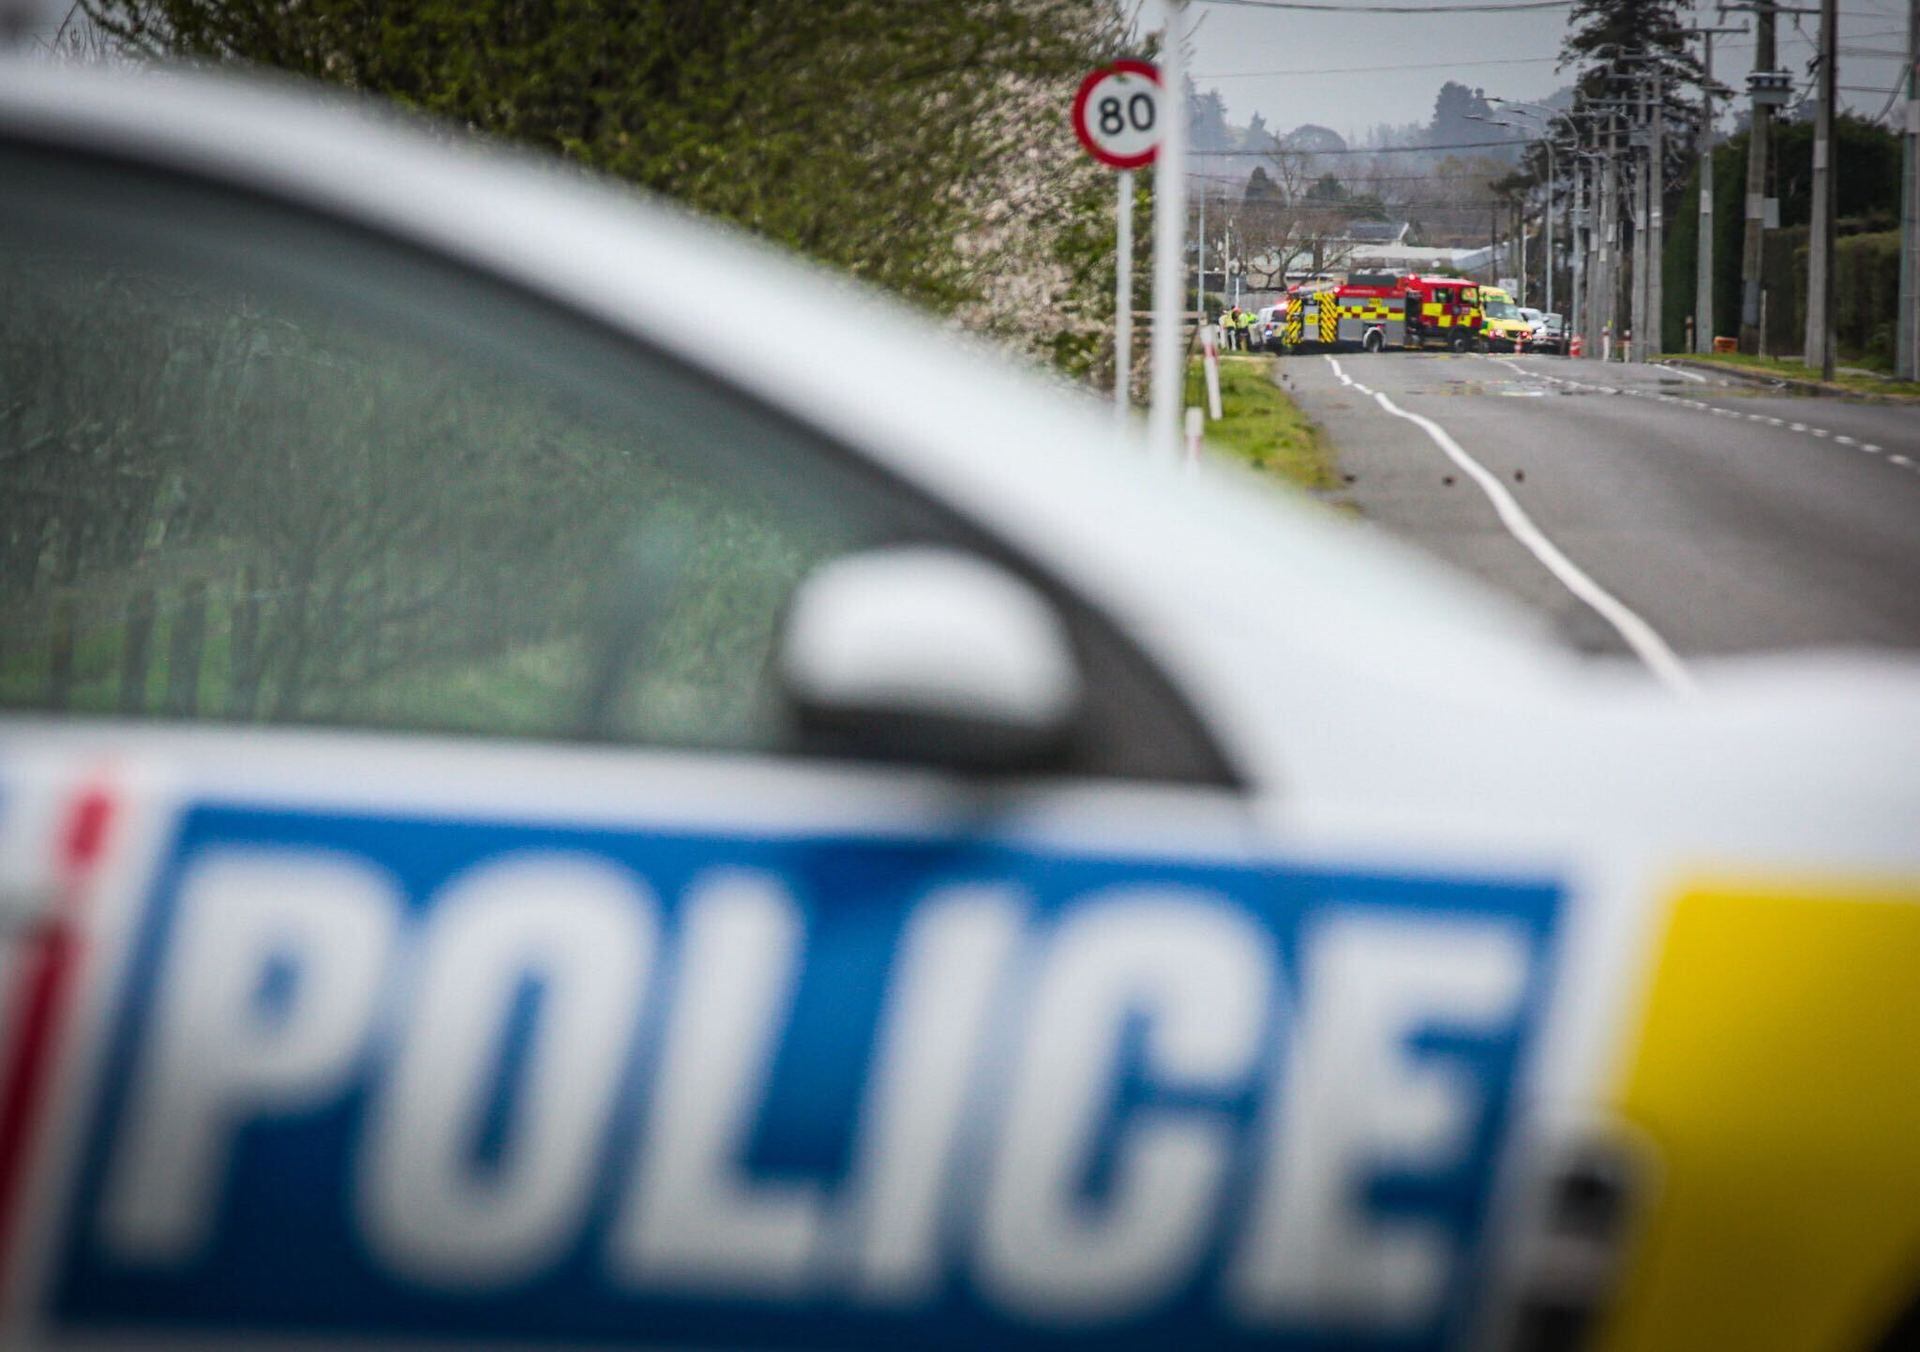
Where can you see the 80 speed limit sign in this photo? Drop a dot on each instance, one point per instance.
(1116, 114)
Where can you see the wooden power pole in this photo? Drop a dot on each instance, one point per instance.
(1819, 338)
(1758, 137)
(1908, 328)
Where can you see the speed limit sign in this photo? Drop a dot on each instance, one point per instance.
(1116, 114)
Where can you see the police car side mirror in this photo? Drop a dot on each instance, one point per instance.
(929, 656)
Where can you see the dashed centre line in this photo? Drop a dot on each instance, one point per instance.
(1818, 433)
(1639, 636)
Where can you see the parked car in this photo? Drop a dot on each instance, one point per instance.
(1506, 330)
(1271, 327)
(522, 825)
(1550, 334)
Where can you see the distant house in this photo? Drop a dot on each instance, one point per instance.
(1379, 232)
(1314, 139)
(1406, 258)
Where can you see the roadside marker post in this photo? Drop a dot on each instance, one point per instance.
(1116, 115)
(1210, 360)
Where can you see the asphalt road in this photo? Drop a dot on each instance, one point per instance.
(1721, 517)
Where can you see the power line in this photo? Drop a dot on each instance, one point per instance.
(1514, 143)
(1353, 180)
(1415, 204)
(1508, 8)
(1369, 70)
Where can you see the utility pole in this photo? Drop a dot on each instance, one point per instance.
(1655, 340)
(1586, 285)
(1758, 138)
(1819, 344)
(1520, 240)
(1229, 294)
(1579, 230)
(1572, 311)
(1200, 282)
(1169, 339)
(1583, 283)
(1596, 307)
(1638, 141)
(1907, 365)
(1703, 259)
(1551, 184)
(1603, 290)
(1703, 234)
(1229, 261)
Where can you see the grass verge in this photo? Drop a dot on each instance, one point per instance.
(1793, 370)
(1261, 426)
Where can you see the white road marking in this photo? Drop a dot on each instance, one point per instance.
(1818, 433)
(1638, 634)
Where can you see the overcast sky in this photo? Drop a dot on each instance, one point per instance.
(1272, 61)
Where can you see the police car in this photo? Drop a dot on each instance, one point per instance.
(1271, 327)
(521, 826)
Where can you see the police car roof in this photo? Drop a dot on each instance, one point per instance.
(1198, 574)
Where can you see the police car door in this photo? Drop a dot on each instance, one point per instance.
(440, 917)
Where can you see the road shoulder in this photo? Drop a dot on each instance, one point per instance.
(1776, 378)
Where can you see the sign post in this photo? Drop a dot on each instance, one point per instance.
(1123, 302)
(1116, 115)
(1170, 240)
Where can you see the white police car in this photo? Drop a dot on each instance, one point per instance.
(521, 826)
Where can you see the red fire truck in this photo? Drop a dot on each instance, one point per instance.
(1372, 312)
(1444, 312)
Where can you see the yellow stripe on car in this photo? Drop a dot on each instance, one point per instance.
(1782, 1025)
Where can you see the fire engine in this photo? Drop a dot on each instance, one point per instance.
(1372, 312)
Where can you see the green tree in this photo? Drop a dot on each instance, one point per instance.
(1368, 207)
(1868, 189)
(1327, 188)
(1612, 40)
(1617, 43)
(1455, 110)
(1261, 187)
(1207, 128)
(883, 137)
